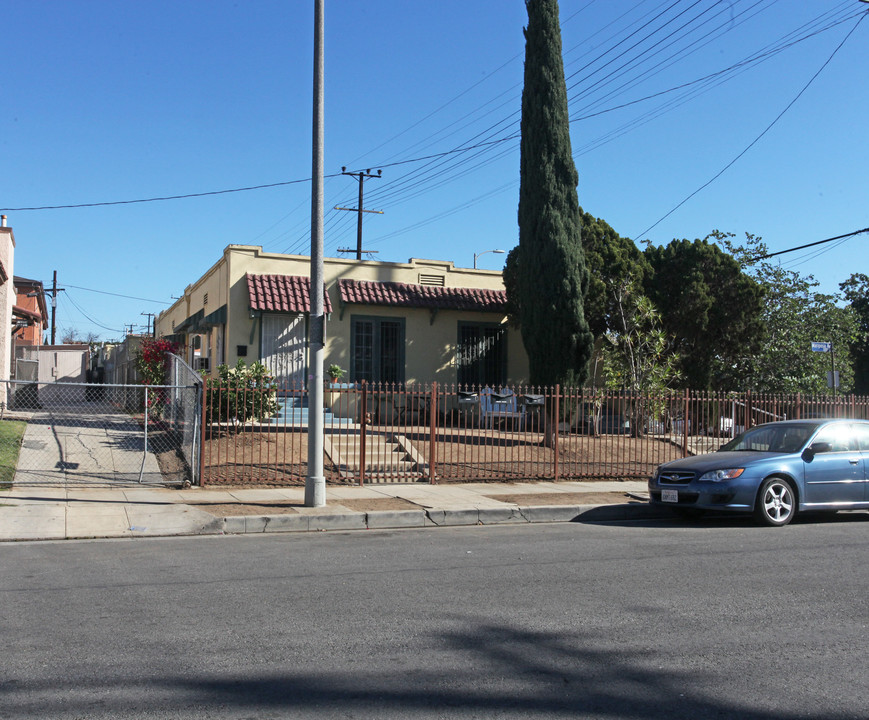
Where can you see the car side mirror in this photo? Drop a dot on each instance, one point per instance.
(815, 448)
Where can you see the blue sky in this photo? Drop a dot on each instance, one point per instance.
(106, 102)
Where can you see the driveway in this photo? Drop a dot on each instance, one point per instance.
(77, 446)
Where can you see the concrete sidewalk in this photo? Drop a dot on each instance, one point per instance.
(56, 512)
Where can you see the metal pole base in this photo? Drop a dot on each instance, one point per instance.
(315, 492)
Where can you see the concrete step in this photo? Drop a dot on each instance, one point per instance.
(293, 410)
(386, 457)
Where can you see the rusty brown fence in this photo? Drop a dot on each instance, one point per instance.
(436, 433)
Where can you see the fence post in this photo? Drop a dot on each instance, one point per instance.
(749, 423)
(685, 424)
(433, 428)
(556, 416)
(145, 450)
(364, 426)
(202, 431)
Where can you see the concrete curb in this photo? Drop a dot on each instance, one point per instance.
(54, 521)
(434, 517)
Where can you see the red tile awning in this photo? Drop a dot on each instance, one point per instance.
(422, 296)
(282, 293)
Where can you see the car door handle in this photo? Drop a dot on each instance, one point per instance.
(853, 462)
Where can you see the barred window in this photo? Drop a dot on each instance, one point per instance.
(377, 349)
(481, 354)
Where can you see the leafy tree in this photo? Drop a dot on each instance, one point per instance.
(794, 315)
(710, 309)
(551, 277)
(636, 357)
(612, 262)
(856, 292)
(71, 336)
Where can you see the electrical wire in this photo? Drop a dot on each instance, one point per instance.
(495, 141)
(808, 245)
(88, 317)
(158, 199)
(128, 297)
(764, 132)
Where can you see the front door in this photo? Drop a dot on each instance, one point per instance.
(836, 476)
(283, 348)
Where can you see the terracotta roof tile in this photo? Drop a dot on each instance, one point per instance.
(422, 296)
(282, 293)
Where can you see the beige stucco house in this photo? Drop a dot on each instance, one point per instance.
(416, 322)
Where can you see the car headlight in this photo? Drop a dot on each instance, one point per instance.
(721, 475)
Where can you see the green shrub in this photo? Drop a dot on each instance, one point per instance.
(152, 363)
(241, 393)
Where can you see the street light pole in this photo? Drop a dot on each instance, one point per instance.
(476, 255)
(315, 482)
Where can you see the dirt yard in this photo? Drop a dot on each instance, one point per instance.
(278, 458)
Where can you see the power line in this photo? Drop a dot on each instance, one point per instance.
(464, 148)
(88, 317)
(808, 245)
(393, 188)
(765, 131)
(157, 199)
(448, 166)
(128, 297)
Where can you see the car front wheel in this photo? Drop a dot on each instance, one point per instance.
(776, 503)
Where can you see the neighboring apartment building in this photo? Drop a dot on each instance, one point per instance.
(419, 321)
(30, 313)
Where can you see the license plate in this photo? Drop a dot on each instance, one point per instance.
(670, 496)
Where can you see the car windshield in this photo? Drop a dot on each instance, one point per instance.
(775, 437)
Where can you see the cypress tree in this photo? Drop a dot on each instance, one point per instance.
(552, 277)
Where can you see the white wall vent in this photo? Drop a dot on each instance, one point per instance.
(433, 280)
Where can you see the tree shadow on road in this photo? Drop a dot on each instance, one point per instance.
(477, 670)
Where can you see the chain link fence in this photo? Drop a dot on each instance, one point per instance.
(102, 434)
(183, 412)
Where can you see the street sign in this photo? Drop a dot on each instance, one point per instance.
(821, 346)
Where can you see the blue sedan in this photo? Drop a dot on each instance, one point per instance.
(774, 471)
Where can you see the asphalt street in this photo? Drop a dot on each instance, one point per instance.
(655, 619)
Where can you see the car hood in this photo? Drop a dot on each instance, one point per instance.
(721, 460)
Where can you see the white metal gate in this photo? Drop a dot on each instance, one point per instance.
(283, 348)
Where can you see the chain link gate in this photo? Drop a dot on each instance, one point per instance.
(99, 435)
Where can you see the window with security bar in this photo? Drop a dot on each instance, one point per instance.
(481, 354)
(377, 349)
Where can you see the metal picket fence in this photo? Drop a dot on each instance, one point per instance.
(381, 433)
(84, 434)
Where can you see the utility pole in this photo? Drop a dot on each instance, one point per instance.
(362, 176)
(315, 482)
(149, 316)
(54, 291)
